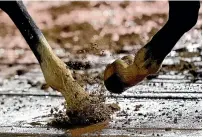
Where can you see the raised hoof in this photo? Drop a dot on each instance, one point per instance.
(115, 85)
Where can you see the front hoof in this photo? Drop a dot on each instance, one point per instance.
(115, 85)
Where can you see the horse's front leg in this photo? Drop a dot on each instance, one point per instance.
(56, 73)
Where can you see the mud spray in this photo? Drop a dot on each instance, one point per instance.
(81, 108)
(81, 112)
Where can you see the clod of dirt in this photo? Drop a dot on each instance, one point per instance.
(78, 65)
(94, 113)
(137, 107)
(44, 86)
(21, 71)
(175, 120)
(34, 84)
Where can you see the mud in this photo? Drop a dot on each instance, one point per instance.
(94, 113)
(78, 65)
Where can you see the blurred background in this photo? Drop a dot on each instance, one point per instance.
(75, 29)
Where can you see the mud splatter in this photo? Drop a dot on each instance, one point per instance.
(94, 113)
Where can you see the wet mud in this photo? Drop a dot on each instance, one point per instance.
(96, 112)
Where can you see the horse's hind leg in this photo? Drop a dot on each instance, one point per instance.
(182, 17)
(119, 76)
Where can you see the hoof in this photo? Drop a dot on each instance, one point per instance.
(115, 85)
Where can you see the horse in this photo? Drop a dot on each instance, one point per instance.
(122, 73)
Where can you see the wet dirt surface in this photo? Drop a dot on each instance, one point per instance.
(88, 36)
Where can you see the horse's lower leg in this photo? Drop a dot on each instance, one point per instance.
(121, 75)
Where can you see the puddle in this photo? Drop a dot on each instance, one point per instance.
(89, 129)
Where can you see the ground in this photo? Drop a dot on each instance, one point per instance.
(88, 36)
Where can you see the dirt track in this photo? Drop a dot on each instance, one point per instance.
(88, 36)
